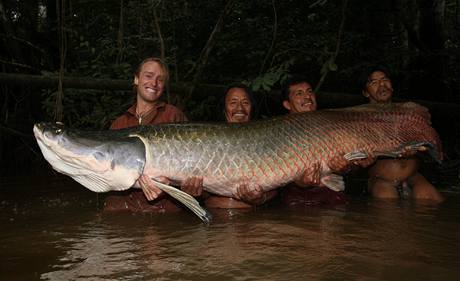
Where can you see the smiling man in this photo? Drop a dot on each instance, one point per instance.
(238, 104)
(150, 79)
(298, 96)
(149, 83)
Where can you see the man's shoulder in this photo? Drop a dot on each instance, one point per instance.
(174, 112)
(170, 107)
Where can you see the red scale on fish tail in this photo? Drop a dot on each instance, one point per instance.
(420, 130)
(251, 169)
(406, 127)
(263, 174)
(302, 154)
(330, 148)
(248, 173)
(319, 149)
(278, 162)
(389, 123)
(417, 126)
(287, 165)
(349, 136)
(415, 110)
(391, 137)
(371, 130)
(273, 169)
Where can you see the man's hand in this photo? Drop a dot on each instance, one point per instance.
(408, 151)
(193, 186)
(252, 196)
(149, 188)
(310, 177)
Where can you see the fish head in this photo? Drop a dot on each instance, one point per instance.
(99, 160)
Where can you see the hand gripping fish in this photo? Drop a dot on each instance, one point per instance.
(267, 153)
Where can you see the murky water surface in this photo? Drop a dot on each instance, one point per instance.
(54, 230)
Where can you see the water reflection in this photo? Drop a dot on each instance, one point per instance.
(91, 251)
(365, 240)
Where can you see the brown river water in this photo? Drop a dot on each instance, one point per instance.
(53, 229)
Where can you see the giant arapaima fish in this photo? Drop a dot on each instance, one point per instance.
(268, 153)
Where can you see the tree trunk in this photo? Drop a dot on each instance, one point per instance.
(120, 35)
(203, 58)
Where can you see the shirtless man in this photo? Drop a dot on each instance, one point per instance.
(389, 177)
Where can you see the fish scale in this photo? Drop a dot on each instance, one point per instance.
(267, 153)
(256, 152)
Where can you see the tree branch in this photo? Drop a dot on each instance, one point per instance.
(19, 65)
(332, 59)
(203, 58)
(60, 6)
(275, 29)
(457, 12)
(120, 35)
(25, 42)
(156, 26)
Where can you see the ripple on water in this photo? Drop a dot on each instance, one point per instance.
(365, 240)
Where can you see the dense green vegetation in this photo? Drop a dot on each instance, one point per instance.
(217, 42)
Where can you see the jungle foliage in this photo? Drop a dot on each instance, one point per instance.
(260, 42)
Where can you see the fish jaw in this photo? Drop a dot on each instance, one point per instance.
(99, 165)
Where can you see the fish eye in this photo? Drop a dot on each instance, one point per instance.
(58, 131)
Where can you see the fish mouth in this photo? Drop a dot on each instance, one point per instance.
(93, 161)
(48, 131)
(58, 148)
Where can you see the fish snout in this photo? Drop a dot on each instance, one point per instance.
(48, 130)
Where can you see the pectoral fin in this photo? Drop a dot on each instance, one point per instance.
(407, 147)
(334, 182)
(356, 155)
(187, 200)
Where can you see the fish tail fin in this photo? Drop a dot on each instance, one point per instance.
(187, 200)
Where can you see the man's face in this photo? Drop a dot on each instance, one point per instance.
(301, 98)
(150, 82)
(378, 88)
(237, 106)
